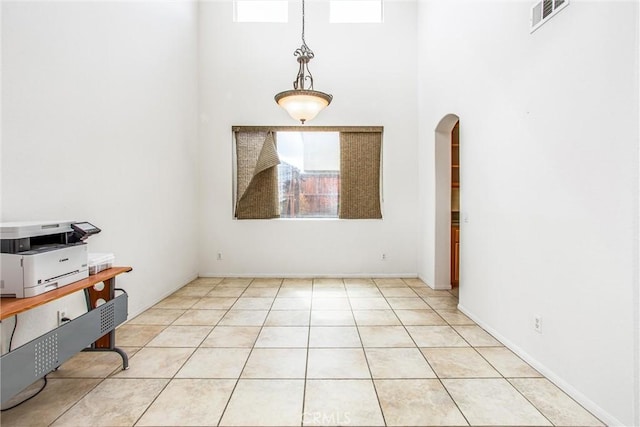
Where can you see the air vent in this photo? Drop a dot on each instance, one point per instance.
(544, 10)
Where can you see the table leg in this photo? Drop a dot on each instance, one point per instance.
(96, 296)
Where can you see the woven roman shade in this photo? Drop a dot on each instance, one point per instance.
(360, 175)
(257, 176)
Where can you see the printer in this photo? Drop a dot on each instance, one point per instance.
(37, 257)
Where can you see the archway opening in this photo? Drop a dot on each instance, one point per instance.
(446, 185)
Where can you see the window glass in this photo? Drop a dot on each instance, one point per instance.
(309, 174)
(355, 11)
(261, 11)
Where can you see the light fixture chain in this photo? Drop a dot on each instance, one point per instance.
(304, 42)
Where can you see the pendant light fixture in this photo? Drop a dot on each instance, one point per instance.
(303, 103)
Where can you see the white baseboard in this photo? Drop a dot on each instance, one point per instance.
(579, 397)
(315, 275)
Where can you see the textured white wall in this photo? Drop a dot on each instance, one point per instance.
(99, 123)
(371, 71)
(549, 181)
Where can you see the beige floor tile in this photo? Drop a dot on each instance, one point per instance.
(559, 408)
(415, 303)
(322, 303)
(181, 336)
(454, 317)
(295, 292)
(189, 402)
(272, 363)
(334, 336)
(283, 337)
(266, 283)
(251, 303)
(362, 292)
(358, 282)
(235, 282)
(252, 292)
(476, 336)
(403, 292)
(419, 317)
(328, 282)
(446, 302)
(193, 291)
(59, 395)
(244, 318)
(200, 318)
(265, 403)
(493, 402)
(415, 283)
(288, 318)
(337, 363)
(137, 335)
(385, 336)
(417, 403)
(114, 402)
(378, 303)
(232, 336)
(332, 318)
(238, 286)
(436, 336)
(297, 283)
(93, 364)
(155, 363)
(341, 402)
(157, 316)
(215, 363)
(219, 292)
(177, 302)
(206, 281)
(458, 363)
(214, 303)
(455, 291)
(507, 363)
(322, 292)
(292, 303)
(376, 318)
(428, 292)
(398, 363)
(389, 283)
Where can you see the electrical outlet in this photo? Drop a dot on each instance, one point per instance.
(62, 314)
(537, 324)
(219, 258)
(384, 257)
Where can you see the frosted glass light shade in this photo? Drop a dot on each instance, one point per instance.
(303, 105)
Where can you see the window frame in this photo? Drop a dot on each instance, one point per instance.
(365, 129)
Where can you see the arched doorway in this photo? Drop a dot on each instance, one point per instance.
(446, 173)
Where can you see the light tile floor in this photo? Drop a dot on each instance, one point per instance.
(298, 352)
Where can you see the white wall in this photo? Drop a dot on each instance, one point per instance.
(549, 181)
(371, 71)
(99, 123)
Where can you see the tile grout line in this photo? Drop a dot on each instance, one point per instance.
(373, 383)
(226, 406)
(181, 366)
(432, 369)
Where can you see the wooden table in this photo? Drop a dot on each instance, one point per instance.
(93, 331)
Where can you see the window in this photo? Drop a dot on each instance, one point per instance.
(308, 174)
(318, 172)
(355, 11)
(260, 11)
